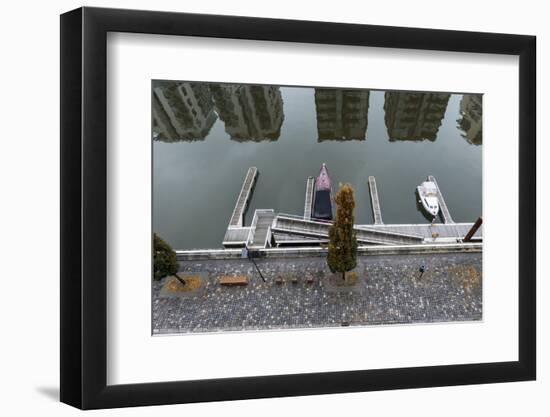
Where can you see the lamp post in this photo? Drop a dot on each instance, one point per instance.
(250, 255)
(421, 269)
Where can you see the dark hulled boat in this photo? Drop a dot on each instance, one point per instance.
(322, 200)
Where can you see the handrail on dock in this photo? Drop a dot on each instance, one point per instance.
(309, 197)
(297, 225)
(260, 229)
(375, 201)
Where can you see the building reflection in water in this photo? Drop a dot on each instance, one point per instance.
(249, 112)
(182, 111)
(342, 114)
(470, 121)
(414, 116)
(186, 111)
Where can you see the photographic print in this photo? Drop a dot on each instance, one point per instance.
(295, 207)
(334, 200)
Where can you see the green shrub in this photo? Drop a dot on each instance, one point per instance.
(165, 261)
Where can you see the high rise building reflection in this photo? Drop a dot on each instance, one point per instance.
(341, 114)
(470, 121)
(181, 111)
(249, 112)
(414, 116)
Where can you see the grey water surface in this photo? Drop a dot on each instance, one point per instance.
(206, 136)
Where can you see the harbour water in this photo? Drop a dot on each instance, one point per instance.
(205, 136)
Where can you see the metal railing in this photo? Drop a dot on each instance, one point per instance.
(367, 228)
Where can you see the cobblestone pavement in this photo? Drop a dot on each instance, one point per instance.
(389, 291)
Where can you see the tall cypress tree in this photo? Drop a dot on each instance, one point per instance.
(342, 247)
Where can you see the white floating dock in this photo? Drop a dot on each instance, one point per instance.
(309, 198)
(375, 202)
(442, 205)
(237, 218)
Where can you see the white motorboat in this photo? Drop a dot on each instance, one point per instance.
(427, 192)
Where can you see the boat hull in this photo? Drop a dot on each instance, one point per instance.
(322, 199)
(322, 205)
(429, 203)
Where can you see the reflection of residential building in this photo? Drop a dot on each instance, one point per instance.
(249, 112)
(470, 121)
(414, 116)
(341, 114)
(182, 111)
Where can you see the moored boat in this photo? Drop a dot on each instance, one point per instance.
(427, 193)
(322, 200)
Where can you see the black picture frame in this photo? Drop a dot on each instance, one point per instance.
(84, 207)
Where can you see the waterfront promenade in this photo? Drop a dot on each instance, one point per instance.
(390, 290)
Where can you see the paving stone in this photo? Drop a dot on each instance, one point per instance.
(391, 291)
